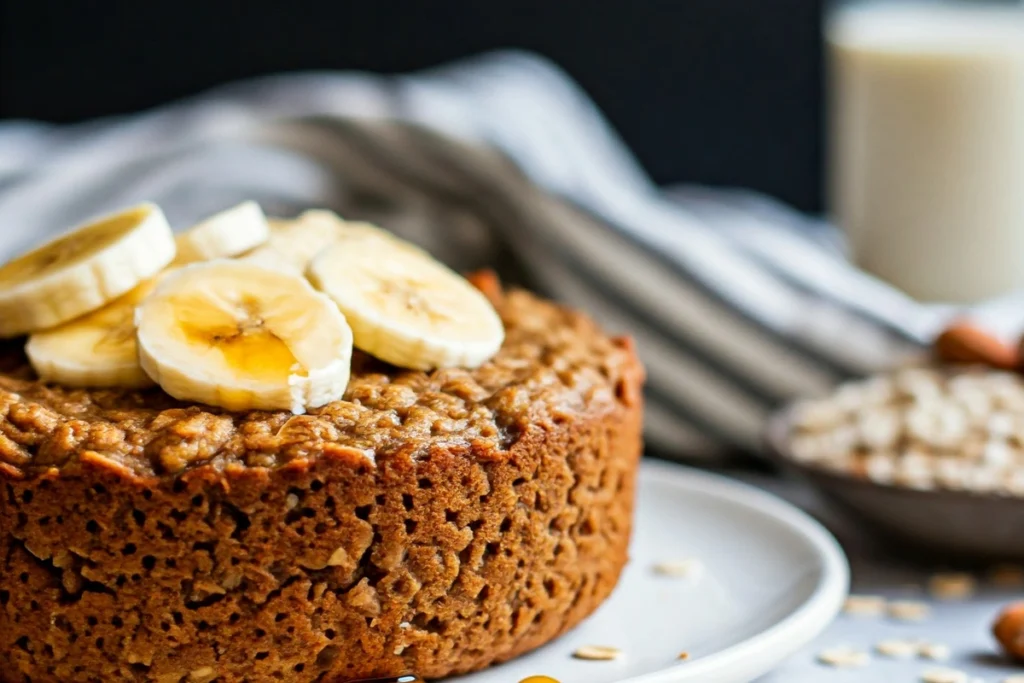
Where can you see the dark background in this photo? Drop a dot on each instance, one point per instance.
(711, 91)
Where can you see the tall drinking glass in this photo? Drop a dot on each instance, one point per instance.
(927, 148)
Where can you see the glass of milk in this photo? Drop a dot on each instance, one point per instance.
(927, 149)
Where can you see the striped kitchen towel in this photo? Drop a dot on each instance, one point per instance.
(737, 304)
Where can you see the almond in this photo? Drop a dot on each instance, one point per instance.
(1009, 628)
(963, 342)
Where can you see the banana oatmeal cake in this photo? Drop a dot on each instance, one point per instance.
(430, 520)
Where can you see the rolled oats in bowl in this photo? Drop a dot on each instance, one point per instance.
(932, 427)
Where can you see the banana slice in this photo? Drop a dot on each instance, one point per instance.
(244, 337)
(83, 269)
(406, 308)
(96, 350)
(342, 229)
(223, 235)
(293, 244)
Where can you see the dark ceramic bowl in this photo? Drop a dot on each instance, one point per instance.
(939, 524)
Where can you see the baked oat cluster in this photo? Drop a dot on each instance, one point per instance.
(948, 427)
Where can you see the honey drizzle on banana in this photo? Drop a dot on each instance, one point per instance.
(240, 335)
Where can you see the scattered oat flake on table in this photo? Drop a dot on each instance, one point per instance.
(944, 675)
(1007, 576)
(897, 649)
(844, 657)
(865, 605)
(683, 569)
(952, 586)
(683, 655)
(597, 653)
(935, 651)
(909, 610)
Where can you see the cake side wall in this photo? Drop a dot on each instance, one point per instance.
(323, 569)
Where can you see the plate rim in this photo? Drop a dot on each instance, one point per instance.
(799, 627)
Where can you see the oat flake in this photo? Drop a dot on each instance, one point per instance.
(944, 675)
(597, 653)
(1007, 576)
(909, 610)
(683, 569)
(865, 605)
(897, 649)
(934, 651)
(844, 657)
(202, 675)
(952, 586)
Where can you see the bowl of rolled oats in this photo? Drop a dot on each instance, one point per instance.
(931, 456)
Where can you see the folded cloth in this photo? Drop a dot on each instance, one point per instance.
(737, 303)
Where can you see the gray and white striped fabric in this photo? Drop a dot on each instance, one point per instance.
(737, 303)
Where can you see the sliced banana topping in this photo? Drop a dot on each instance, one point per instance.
(294, 243)
(243, 336)
(95, 350)
(406, 308)
(83, 270)
(223, 235)
(341, 229)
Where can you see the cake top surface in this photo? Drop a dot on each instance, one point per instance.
(554, 363)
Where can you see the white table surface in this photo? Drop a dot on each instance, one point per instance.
(964, 626)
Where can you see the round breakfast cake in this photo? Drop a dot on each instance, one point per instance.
(428, 521)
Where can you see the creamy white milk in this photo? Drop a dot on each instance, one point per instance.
(927, 158)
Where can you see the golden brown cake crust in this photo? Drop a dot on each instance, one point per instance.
(430, 522)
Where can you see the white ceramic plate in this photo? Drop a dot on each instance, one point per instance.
(773, 579)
